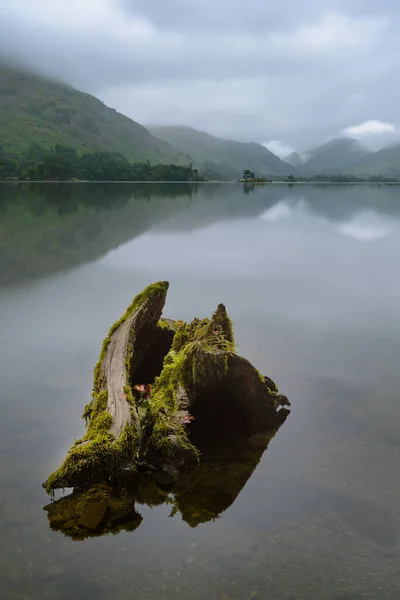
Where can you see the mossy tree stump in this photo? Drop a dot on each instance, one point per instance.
(159, 387)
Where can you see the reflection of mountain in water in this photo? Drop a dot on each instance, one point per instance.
(340, 203)
(52, 227)
(46, 228)
(198, 495)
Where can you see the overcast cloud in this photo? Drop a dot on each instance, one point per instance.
(295, 72)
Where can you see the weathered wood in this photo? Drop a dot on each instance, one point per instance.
(159, 386)
(127, 343)
(113, 433)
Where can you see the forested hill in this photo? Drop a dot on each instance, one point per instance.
(35, 109)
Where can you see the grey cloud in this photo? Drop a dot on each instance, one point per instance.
(252, 15)
(293, 71)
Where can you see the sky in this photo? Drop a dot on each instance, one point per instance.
(290, 73)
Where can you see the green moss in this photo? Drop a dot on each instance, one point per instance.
(164, 324)
(199, 356)
(272, 392)
(100, 456)
(221, 319)
(182, 337)
(100, 425)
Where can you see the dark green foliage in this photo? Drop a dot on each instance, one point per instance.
(248, 175)
(9, 167)
(291, 179)
(63, 163)
(343, 178)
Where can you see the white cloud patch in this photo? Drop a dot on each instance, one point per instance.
(370, 128)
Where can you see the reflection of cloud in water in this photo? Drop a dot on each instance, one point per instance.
(277, 212)
(283, 210)
(366, 227)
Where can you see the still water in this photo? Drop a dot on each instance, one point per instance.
(310, 278)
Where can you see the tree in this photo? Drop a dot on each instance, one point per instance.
(8, 168)
(248, 175)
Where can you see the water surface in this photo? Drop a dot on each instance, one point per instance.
(309, 276)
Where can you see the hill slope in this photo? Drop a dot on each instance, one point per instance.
(385, 162)
(224, 157)
(334, 156)
(34, 109)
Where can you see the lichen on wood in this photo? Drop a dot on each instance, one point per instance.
(156, 384)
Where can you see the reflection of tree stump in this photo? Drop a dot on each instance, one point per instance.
(99, 511)
(198, 495)
(159, 386)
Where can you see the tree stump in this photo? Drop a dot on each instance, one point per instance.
(160, 386)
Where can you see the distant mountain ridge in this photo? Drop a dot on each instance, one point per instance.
(335, 156)
(219, 157)
(348, 156)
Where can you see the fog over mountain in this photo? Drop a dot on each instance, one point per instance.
(291, 75)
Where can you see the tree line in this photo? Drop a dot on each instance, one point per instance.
(250, 177)
(62, 163)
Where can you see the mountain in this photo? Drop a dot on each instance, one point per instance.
(35, 109)
(296, 159)
(334, 156)
(385, 162)
(218, 158)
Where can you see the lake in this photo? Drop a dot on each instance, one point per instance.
(310, 278)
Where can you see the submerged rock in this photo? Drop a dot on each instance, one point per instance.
(159, 387)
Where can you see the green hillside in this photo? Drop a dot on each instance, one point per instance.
(385, 162)
(215, 156)
(34, 109)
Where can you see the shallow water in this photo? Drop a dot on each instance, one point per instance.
(310, 279)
